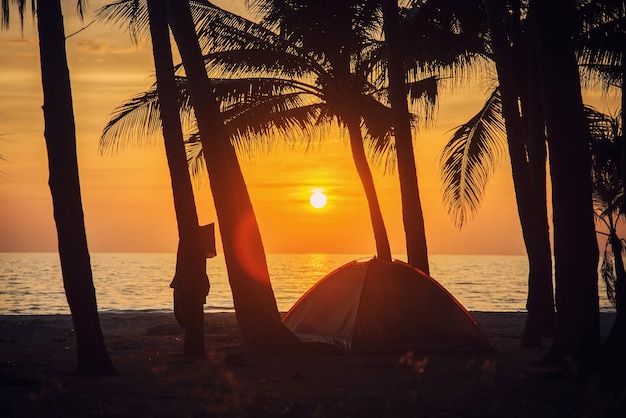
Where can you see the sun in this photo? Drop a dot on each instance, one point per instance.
(318, 200)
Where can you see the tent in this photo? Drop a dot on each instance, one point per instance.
(377, 306)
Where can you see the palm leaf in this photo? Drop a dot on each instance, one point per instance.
(5, 10)
(423, 94)
(255, 126)
(135, 122)
(259, 136)
(468, 160)
(459, 30)
(378, 126)
(219, 30)
(284, 117)
(195, 158)
(607, 272)
(600, 45)
(130, 15)
(268, 62)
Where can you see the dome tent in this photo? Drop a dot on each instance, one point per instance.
(376, 306)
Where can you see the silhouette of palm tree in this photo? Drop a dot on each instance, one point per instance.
(602, 53)
(319, 49)
(243, 250)
(190, 281)
(599, 57)
(255, 305)
(60, 136)
(413, 217)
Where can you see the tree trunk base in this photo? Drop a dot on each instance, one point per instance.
(194, 331)
(537, 326)
(190, 316)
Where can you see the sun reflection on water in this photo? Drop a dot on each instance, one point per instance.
(31, 283)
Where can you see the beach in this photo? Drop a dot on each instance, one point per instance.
(37, 354)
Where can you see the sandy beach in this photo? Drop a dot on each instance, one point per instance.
(37, 361)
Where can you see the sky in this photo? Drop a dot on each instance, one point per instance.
(127, 196)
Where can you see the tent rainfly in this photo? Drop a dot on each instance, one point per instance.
(379, 306)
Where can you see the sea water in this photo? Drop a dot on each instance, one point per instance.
(31, 283)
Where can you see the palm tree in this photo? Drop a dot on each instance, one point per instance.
(599, 56)
(417, 251)
(602, 51)
(575, 247)
(60, 135)
(455, 28)
(327, 67)
(527, 152)
(190, 283)
(469, 157)
(467, 160)
(417, 62)
(255, 305)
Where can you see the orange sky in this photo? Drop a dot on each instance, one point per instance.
(127, 196)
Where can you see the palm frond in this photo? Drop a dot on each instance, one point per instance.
(468, 160)
(5, 10)
(608, 186)
(459, 30)
(348, 22)
(423, 95)
(220, 30)
(129, 15)
(607, 272)
(286, 115)
(277, 63)
(195, 157)
(132, 15)
(600, 43)
(135, 122)
(378, 126)
(254, 128)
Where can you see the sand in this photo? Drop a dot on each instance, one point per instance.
(37, 361)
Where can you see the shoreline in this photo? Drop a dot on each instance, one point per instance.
(37, 361)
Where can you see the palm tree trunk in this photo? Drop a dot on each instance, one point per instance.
(412, 215)
(540, 285)
(60, 134)
(255, 305)
(191, 283)
(527, 155)
(365, 175)
(575, 244)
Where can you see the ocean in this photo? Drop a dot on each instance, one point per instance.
(31, 283)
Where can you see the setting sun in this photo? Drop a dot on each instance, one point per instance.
(318, 200)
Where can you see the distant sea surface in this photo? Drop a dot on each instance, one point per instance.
(31, 283)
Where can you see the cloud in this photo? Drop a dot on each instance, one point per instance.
(16, 41)
(92, 46)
